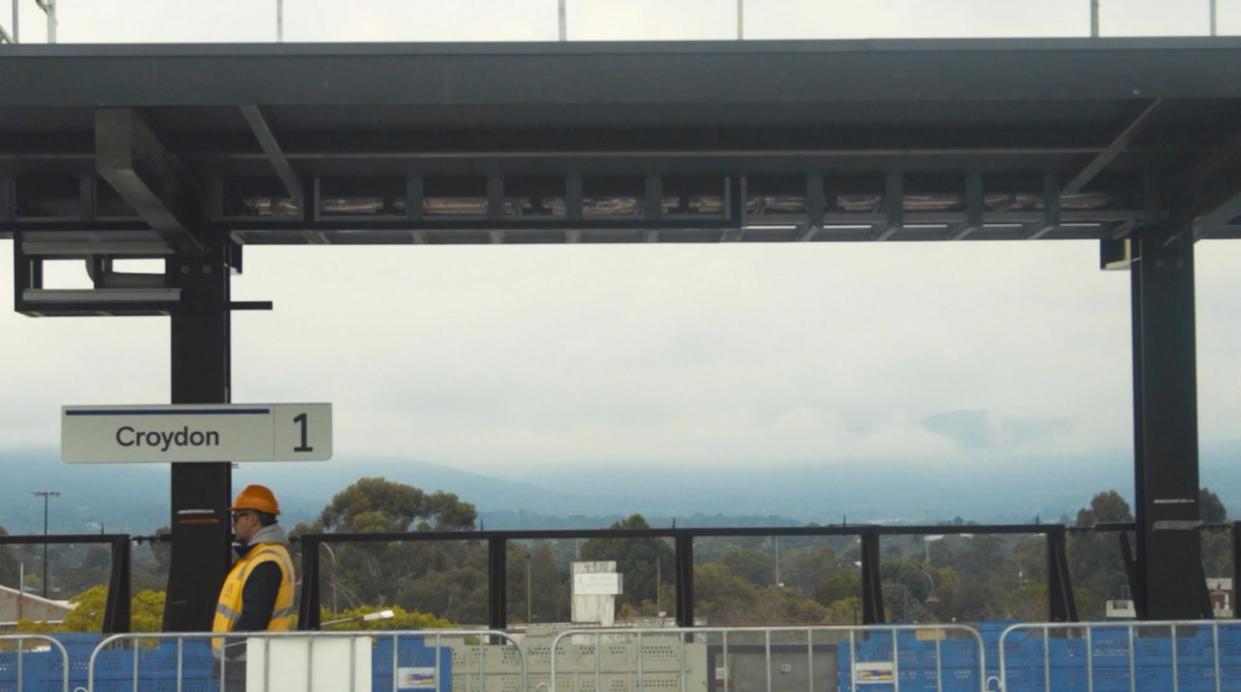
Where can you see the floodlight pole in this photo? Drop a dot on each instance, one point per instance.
(46, 495)
(564, 25)
(1094, 18)
(279, 21)
(740, 19)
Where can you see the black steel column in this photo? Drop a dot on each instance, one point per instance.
(308, 608)
(872, 581)
(116, 609)
(497, 587)
(1236, 568)
(1062, 607)
(1132, 575)
(1165, 425)
(201, 493)
(684, 543)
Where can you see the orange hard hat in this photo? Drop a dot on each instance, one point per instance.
(257, 497)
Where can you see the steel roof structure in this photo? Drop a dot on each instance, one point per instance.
(191, 152)
(672, 142)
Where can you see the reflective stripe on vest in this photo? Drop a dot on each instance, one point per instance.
(229, 606)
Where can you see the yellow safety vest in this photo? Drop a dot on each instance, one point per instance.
(228, 609)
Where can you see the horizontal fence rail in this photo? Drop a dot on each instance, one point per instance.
(907, 657)
(367, 659)
(1154, 655)
(14, 668)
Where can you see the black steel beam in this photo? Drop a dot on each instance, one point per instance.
(872, 580)
(134, 161)
(1051, 207)
(497, 592)
(973, 208)
(8, 202)
(308, 606)
(1165, 424)
(750, 531)
(893, 206)
(271, 148)
(201, 493)
(1114, 149)
(1062, 606)
(61, 538)
(573, 198)
(566, 75)
(684, 546)
(816, 205)
(1218, 217)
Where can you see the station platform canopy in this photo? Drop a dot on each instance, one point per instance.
(140, 150)
(192, 152)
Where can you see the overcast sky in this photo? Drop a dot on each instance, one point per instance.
(490, 358)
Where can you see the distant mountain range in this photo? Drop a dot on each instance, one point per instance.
(133, 498)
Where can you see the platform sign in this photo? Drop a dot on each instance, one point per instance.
(190, 433)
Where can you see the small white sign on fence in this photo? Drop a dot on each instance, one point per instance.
(416, 678)
(873, 672)
(282, 664)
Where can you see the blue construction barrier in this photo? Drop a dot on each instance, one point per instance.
(919, 665)
(1069, 663)
(42, 669)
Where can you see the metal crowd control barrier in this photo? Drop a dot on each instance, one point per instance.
(909, 657)
(1153, 655)
(184, 661)
(17, 664)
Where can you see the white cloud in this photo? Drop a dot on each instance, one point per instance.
(480, 357)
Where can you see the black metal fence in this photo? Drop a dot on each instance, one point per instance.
(1061, 606)
(116, 608)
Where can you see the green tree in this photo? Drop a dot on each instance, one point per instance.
(401, 572)
(801, 568)
(376, 504)
(1216, 545)
(643, 561)
(550, 586)
(1211, 508)
(146, 611)
(755, 566)
(1107, 506)
(1095, 559)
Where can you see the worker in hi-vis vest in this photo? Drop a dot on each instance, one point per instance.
(257, 594)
